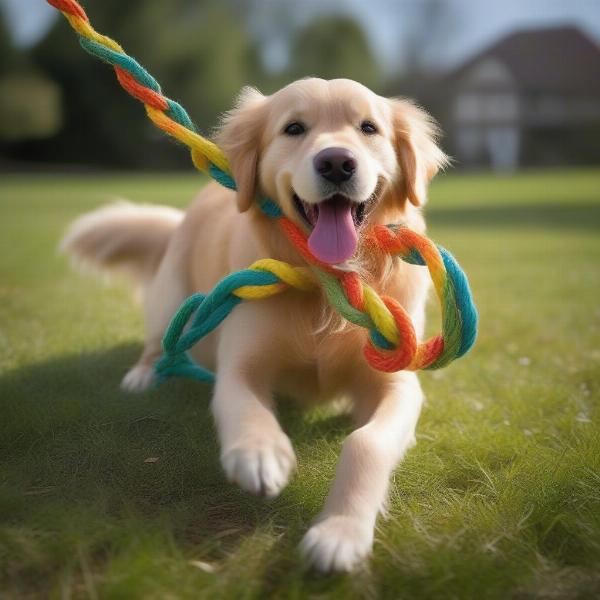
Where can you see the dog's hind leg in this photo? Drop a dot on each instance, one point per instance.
(141, 376)
(135, 239)
(162, 298)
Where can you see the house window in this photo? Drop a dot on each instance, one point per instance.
(494, 145)
(501, 107)
(488, 73)
(470, 144)
(468, 107)
(486, 107)
(503, 145)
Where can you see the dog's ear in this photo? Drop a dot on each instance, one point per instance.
(419, 156)
(239, 137)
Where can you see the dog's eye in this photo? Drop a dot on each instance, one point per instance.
(368, 128)
(294, 128)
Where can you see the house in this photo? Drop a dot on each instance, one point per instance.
(532, 98)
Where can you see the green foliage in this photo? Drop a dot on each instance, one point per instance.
(30, 104)
(332, 47)
(202, 53)
(29, 107)
(199, 53)
(499, 499)
(6, 48)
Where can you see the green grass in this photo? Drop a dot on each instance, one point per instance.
(499, 499)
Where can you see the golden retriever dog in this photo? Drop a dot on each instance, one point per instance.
(338, 159)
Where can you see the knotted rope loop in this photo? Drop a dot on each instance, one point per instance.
(400, 357)
(459, 315)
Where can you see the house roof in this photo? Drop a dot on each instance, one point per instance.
(545, 60)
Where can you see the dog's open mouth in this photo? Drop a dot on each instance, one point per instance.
(310, 212)
(335, 223)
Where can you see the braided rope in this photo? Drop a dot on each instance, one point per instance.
(392, 343)
(165, 113)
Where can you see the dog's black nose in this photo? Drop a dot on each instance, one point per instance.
(335, 164)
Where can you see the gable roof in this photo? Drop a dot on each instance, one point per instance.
(545, 60)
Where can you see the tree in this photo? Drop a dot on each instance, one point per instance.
(332, 47)
(197, 51)
(6, 47)
(430, 25)
(29, 102)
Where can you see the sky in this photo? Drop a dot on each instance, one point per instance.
(472, 24)
(478, 23)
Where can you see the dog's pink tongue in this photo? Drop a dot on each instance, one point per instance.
(334, 238)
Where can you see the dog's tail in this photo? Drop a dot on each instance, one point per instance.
(122, 237)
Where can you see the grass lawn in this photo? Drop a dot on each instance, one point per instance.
(499, 499)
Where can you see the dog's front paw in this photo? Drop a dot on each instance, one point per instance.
(138, 379)
(260, 464)
(337, 543)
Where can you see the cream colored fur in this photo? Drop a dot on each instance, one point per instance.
(288, 344)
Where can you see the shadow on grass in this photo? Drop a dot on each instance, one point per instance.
(76, 447)
(573, 216)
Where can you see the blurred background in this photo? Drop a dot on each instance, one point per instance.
(513, 83)
(107, 496)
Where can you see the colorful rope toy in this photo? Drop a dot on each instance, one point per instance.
(391, 345)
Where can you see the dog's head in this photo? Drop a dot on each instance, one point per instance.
(331, 153)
